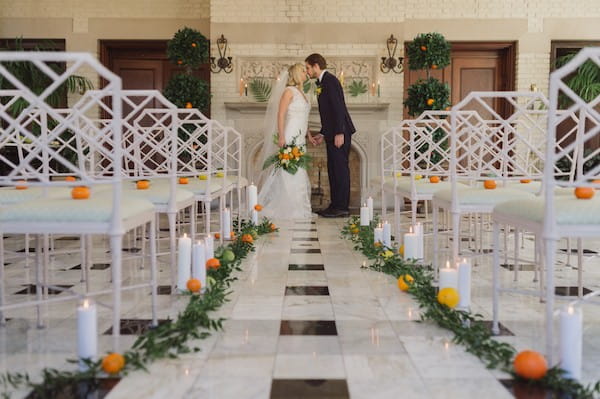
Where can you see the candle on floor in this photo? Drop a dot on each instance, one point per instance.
(255, 216)
(209, 246)
(571, 327)
(252, 196)
(387, 234)
(448, 277)
(87, 332)
(464, 285)
(199, 262)
(370, 206)
(419, 232)
(184, 261)
(226, 224)
(411, 245)
(378, 234)
(364, 215)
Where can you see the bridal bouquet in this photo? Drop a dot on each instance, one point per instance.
(290, 157)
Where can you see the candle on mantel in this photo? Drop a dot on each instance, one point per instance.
(378, 234)
(387, 234)
(226, 224)
(370, 206)
(464, 285)
(411, 244)
(241, 87)
(448, 277)
(87, 332)
(419, 232)
(209, 246)
(246, 89)
(571, 326)
(252, 193)
(342, 78)
(373, 89)
(364, 215)
(199, 263)
(378, 89)
(184, 262)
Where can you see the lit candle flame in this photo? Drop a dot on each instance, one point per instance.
(447, 264)
(86, 303)
(184, 235)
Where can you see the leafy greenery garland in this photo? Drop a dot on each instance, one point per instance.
(168, 340)
(468, 328)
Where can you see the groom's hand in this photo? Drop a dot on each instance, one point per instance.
(338, 141)
(312, 139)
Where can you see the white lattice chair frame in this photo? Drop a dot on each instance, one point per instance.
(106, 215)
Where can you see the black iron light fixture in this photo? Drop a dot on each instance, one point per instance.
(390, 63)
(223, 63)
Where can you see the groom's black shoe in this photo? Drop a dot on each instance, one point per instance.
(335, 213)
(324, 210)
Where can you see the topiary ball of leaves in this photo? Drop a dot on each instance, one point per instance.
(424, 95)
(188, 48)
(428, 51)
(183, 89)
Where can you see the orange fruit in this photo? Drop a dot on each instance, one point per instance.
(430, 101)
(404, 282)
(434, 66)
(80, 192)
(113, 363)
(377, 244)
(273, 227)
(423, 48)
(217, 236)
(213, 263)
(183, 180)
(355, 230)
(232, 235)
(70, 178)
(489, 184)
(194, 44)
(194, 285)
(434, 179)
(142, 185)
(247, 238)
(258, 207)
(188, 105)
(584, 192)
(21, 185)
(525, 181)
(530, 365)
(179, 62)
(448, 296)
(401, 250)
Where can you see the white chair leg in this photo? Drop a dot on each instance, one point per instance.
(116, 246)
(82, 258)
(27, 250)
(207, 215)
(46, 264)
(383, 204)
(153, 271)
(516, 254)
(172, 216)
(2, 286)
(569, 251)
(496, 277)
(193, 232)
(87, 265)
(397, 210)
(506, 244)
(434, 219)
(413, 211)
(536, 259)
(455, 236)
(38, 279)
(549, 248)
(579, 267)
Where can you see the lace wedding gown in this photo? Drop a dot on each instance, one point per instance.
(283, 195)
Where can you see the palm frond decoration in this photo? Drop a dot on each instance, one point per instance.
(357, 87)
(585, 82)
(308, 84)
(260, 89)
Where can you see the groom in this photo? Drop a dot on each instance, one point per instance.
(337, 130)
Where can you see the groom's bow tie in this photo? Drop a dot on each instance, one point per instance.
(318, 82)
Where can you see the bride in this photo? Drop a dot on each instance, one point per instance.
(284, 195)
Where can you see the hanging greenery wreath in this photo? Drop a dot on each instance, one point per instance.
(428, 51)
(188, 48)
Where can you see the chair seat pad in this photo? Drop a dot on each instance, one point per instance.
(158, 193)
(201, 187)
(424, 186)
(568, 210)
(481, 196)
(97, 209)
(534, 187)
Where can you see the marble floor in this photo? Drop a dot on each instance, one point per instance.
(303, 321)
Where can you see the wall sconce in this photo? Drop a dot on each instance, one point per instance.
(390, 63)
(224, 62)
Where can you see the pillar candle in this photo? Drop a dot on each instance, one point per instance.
(87, 332)
(378, 89)
(419, 232)
(255, 216)
(252, 197)
(571, 326)
(448, 277)
(241, 87)
(464, 285)
(411, 245)
(209, 246)
(378, 234)
(226, 224)
(370, 206)
(184, 262)
(364, 215)
(199, 262)
(246, 89)
(387, 234)
(373, 89)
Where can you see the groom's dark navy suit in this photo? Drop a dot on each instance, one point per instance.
(336, 120)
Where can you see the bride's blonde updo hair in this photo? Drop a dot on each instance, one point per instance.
(296, 75)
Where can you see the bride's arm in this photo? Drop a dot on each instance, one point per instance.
(284, 103)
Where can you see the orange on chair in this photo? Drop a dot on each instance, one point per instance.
(80, 193)
(434, 179)
(113, 363)
(21, 185)
(70, 178)
(194, 285)
(218, 236)
(489, 184)
(530, 365)
(525, 181)
(258, 207)
(142, 184)
(584, 192)
(273, 227)
(183, 180)
(213, 263)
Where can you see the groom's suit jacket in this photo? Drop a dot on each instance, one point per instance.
(332, 108)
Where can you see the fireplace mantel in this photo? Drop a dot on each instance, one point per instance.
(357, 110)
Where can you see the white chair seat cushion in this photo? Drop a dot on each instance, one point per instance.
(158, 193)
(201, 187)
(533, 187)
(481, 196)
(568, 210)
(424, 186)
(97, 209)
(234, 180)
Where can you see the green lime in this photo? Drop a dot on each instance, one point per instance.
(228, 256)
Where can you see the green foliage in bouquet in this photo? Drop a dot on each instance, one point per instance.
(424, 95)
(183, 89)
(260, 89)
(428, 51)
(357, 87)
(290, 157)
(188, 48)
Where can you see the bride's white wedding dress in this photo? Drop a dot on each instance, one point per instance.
(283, 195)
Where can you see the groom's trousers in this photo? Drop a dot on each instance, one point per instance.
(339, 173)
